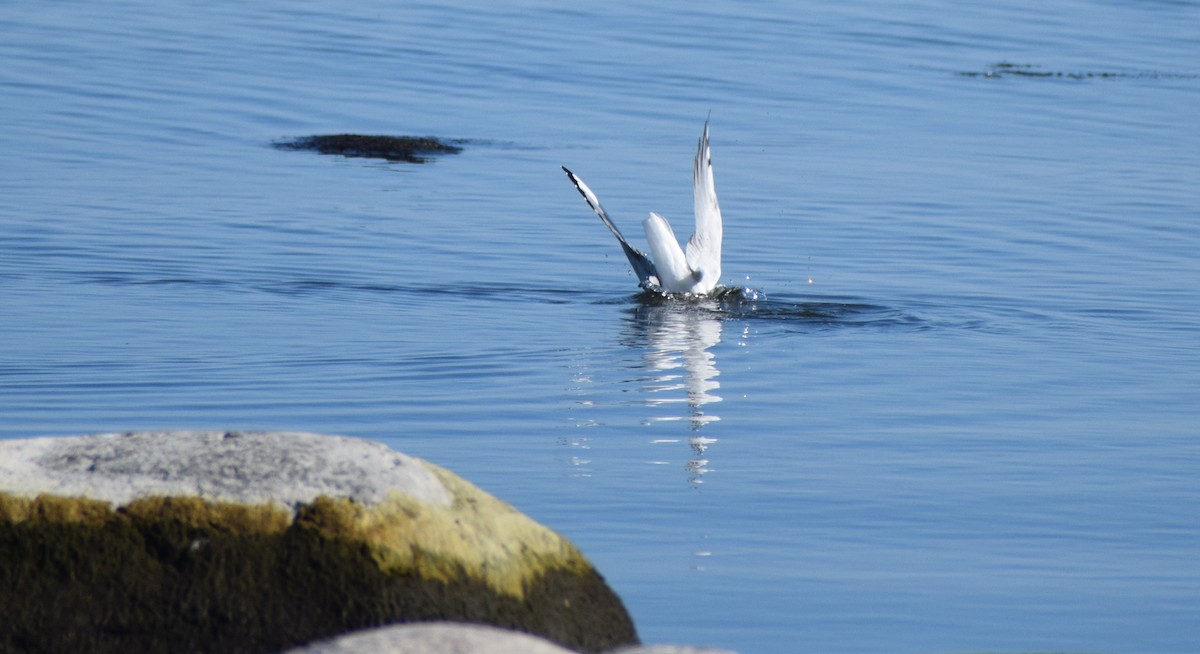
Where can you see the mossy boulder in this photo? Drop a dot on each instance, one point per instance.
(257, 542)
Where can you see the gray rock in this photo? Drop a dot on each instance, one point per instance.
(284, 468)
(435, 638)
(461, 638)
(670, 649)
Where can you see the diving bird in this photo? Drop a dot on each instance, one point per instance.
(668, 267)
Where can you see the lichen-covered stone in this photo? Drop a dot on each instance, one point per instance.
(255, 542)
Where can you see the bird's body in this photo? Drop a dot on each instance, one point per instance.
(669, 267)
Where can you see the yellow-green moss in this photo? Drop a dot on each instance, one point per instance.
(52, 509)
(195, 513)
(477, 535)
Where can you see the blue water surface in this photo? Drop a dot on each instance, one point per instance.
(964, 416)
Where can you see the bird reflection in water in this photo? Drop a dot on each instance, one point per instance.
(676, 337)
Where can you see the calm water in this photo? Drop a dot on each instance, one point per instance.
(966, 417)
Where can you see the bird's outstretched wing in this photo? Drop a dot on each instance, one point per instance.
(642, 266)
(704, 248)
(699, 269)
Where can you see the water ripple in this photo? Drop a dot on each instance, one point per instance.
(802, 313)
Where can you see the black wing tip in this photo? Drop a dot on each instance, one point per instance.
(574, 180)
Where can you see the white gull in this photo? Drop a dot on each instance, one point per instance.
(668, 268)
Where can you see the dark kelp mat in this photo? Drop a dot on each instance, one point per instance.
(408, 149)
(1007, 69)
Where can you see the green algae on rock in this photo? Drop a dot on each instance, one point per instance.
(240, 564)
(408, 149)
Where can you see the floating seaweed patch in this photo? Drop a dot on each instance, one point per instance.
(408, 149)
(1006, 69)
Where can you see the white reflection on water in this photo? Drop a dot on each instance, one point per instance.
(666, 362)
(680, 370)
